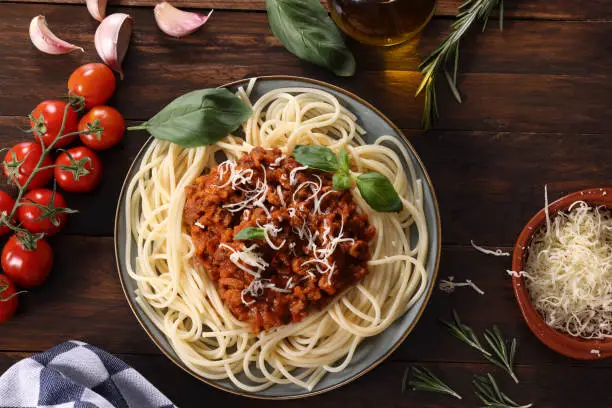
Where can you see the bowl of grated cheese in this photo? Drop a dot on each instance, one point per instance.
(562, 274)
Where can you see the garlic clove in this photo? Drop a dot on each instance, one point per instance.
(112, 40)
(178, 23)
(97, 9)
(46, 41)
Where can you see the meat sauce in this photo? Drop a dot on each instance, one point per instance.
(316, 244)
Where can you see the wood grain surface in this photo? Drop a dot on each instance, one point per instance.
(537, 103)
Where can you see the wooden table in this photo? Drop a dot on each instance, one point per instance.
(537, 110)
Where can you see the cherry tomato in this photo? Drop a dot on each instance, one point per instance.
(27, 268)
(82, 158)
(94, 82)
(8, 299)
(28, 213)
(110, 120)
(6, 206)
(47, 122)
(29, 153)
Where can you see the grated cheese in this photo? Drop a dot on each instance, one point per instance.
(449, 285)
(497, 252)
(293, 174)
(518, 274)
(569, 271)
(279, 191)
(278, 161)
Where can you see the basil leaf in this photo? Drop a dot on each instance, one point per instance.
(379, 193)
(198, 118)
(342, 181)
(316, 157)
(250, 233)
(344, 159)
(307, 31)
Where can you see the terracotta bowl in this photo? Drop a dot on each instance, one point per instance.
(565, 344)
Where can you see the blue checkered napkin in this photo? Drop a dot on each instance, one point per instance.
(77, 375)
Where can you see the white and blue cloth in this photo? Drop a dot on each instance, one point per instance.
(77, 375)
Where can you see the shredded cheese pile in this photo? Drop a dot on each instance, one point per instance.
(569, 272)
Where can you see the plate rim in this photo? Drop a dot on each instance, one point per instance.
(391, 349)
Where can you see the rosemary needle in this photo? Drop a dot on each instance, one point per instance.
(500, 354)
(503, 357)
(464, 333)
(447, 53)
(421, 379)
(491, 396)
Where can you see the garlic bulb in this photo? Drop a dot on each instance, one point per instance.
(46, 41)
(112, 39)
(177, 23)
(97, 9)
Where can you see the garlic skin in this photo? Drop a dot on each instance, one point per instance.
(112, 40)
(177, 23)
(97, 9)
(46, 41)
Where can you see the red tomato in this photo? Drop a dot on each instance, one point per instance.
(83, 182)
(110, 120)
(6, 206)
(28, 213)
(29, 153)
(8, 299)
(94, 82)
(47, 122)
(27, 269)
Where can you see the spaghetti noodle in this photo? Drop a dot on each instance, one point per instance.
(179, 297)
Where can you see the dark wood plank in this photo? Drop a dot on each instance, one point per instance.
(581, 386)
(483, 194)
(508, 83)
(83, 300)
(490, 184)
(536, 9)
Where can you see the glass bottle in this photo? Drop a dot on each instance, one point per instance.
(381, 22)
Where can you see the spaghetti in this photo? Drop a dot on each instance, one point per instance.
(179, 297)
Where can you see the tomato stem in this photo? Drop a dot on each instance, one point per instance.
(8, 220)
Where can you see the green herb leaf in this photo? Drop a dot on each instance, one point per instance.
(316, 157)
(250, 233)
(307, 31)
(344, 159)
(379, 193)
(342, 181)
(198, 118)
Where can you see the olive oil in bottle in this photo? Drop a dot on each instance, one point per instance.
(381, 22)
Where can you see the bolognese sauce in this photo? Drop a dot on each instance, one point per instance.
(312, 242)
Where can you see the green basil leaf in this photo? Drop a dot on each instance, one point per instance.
(345, 161)
(198, 118)
(316, 157)
(307, 31)
(250, 233)
(379, 193)
(342, 181)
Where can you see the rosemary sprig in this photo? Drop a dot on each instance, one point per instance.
(464, 333)
(447, 53)
(499, 355)
(503, 357)
(421, 379)
(491, 396)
